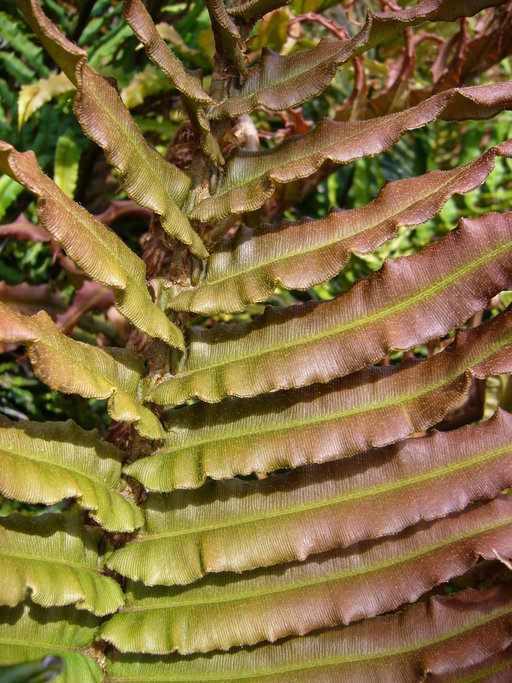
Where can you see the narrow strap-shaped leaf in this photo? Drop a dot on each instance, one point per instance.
(56, 561)
(326, 590)
(148, 179)
(250, 177)
(29, 631)
(249, 10)
(73, 367)
(33, 95)
(426, 639)
(408, 302)
(373, 407)
(239, 525)
(46, 462)
(187, 82)
(71, 225)
(278, 82)
(95, 248)
(228, 39)
(300, 254)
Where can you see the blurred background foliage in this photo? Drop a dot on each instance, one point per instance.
(36, 114)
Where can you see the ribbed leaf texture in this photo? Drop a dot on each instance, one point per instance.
(57, 562)
(82, 369)
(280, 82)
(304, 253)
(185, 81)
(373, 407)
(319, 507)
(249, 10)
(340, 586)
(432, 638)
(144, 174)
(444, 284)
(345, 510)
(47, 463)
(29, 631)
(250, 177)
(93, 247)
(496, 669)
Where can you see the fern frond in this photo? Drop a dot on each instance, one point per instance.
(373, 407)
(250, 10)
(324, 591)
(250, 177)
(55, 560)
(147, 178)
(320, 507)
(445, 284)
(304, 253)
(279, 82)
(320, 498)
(93, 246)
(74, 367)
(33, 95)
(430, 638)
(29, 631)
(52, 461)
(187, 82)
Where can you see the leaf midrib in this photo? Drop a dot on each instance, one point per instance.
(348, 50)
(241, 272)
(94, 236)
(53, 560)
(44, 646)
(241, 95)
(62, 350)
(144, 158)
(487, 672)
(66, 467)
(387, 487)
(319, 155)
(327, 661)
(355, 410)
(399, 306)
(318, 580)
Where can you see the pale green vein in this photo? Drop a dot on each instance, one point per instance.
(66, 467)
(144, 158)
(356, 410)
(319, 580)
(317, 247)
(68, 207)
(34, 643)
(317, 663)
(265, 160)
(37, 558)
(484, 673)
(387, 487)
(397, 307)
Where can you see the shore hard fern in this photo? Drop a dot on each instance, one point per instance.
(271, 500)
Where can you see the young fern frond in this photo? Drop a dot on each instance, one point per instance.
(321, 495)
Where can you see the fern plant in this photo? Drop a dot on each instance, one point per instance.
(259, 508)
